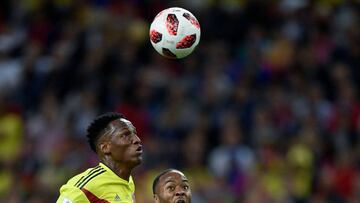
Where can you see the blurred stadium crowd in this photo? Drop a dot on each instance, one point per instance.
(265, 110)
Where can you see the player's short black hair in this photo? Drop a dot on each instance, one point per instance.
(96, 128)
(157, 178)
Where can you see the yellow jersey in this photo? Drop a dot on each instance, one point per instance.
(97, 185)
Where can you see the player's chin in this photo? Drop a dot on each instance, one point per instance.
(138, 159)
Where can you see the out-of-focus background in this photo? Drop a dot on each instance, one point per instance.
(265, 110)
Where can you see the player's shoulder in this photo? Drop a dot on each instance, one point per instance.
(71, 194)
(71, 191)
(79, 180)
(104, 180)
(78, 176)
(91, 179)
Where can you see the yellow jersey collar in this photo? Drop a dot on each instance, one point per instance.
(115, 175)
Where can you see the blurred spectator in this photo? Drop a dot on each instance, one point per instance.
(232, 162)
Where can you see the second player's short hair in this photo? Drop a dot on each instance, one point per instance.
(96, 128)
(157, 178)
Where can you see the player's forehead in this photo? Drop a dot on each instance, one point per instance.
(122, 123)
(173, 176)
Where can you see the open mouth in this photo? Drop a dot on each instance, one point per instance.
(139, 149)
(180, 200)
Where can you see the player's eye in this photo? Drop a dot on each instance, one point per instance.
(126, 134)
(186, 187)
(170, 188)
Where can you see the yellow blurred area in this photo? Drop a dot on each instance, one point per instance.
(6, 182)
(11, 132)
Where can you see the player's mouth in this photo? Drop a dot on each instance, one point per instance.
(139, 150)
(181, 200)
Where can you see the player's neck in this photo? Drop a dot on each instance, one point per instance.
(120, 170)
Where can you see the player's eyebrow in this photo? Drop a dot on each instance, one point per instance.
(185, 181)
(171, 180)
(127, 128)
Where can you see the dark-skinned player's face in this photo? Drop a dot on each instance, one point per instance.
(123, 144)
(173, 187)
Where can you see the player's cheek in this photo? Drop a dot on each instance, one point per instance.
(171, 195)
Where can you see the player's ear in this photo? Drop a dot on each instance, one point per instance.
(156, 198)
(105, 147)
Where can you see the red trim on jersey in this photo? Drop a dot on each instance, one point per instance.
(92, 198)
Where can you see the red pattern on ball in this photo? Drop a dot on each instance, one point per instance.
(192, 20)
(172, 24)
(155, 36)
(186, 42)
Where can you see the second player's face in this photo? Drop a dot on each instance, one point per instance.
(173, 187)
(126, 146)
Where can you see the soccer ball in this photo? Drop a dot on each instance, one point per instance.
(174, 33)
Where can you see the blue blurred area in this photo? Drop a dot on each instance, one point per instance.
(266, 109)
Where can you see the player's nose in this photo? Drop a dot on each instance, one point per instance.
(180, 192)
(136, 139)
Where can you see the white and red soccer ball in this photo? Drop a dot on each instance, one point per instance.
(174, 33)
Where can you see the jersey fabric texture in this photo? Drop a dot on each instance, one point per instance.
(97, 185)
